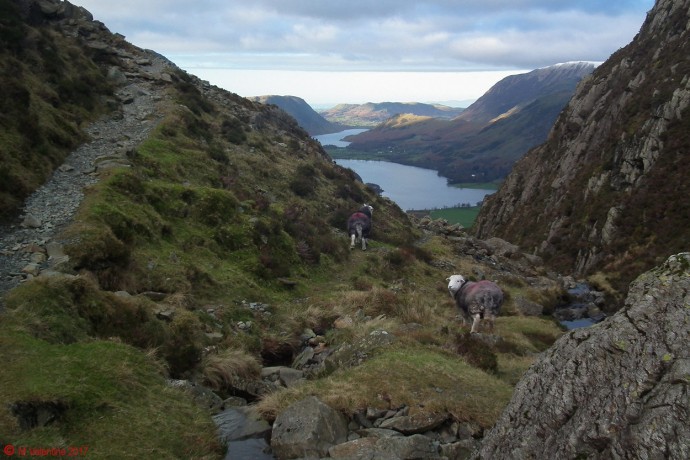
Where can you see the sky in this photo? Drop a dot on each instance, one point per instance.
(356, 51)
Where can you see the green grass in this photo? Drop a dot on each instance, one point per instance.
(116, 402)
(462, 216)
(341, 153)
(478, 185)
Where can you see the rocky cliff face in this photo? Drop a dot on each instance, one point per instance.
(615, 390)
(608, 189)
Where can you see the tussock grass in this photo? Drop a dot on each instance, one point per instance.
(425, 379)
(222, 369)
(64, 309)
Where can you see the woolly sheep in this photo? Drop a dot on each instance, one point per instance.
(359, 226)
(479, 300)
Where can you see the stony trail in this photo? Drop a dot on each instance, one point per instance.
(25, 245)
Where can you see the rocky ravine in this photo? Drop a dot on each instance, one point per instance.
(620, 389)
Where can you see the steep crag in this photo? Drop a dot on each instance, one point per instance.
(615, 390)
(608, 189)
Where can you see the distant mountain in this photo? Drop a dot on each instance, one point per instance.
(306, 117)
(371, 114)
(515, 92)
(483, 142)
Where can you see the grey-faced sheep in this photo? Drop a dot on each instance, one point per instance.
(478, 300)
(359, 226)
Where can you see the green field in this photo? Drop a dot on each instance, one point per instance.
(462, 216)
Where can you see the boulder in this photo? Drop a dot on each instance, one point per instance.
(286, 376)
(622, 387)
(527, 307)
(307, 428)
(387, 448)
(202, 396)
(413, 424)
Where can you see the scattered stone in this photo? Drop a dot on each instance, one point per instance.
(31, 221)
(32, 269)
(214, 336)
(286, 376)
(354, 354)
(413, 424)
(201, 395)
(387, 448)
(234, 401)
(38, 258)
(528, 308)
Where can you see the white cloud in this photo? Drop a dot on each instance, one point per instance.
(374, 36)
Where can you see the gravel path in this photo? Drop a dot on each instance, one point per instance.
(24, 245)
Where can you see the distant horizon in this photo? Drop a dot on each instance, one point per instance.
(322, 89)
(338, 52)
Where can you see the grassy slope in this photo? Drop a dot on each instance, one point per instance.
(50, 87)
(214, 212)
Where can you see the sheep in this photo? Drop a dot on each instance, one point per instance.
(359, 226)
(479, 300)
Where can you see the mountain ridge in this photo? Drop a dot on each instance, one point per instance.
(306, 117)
(371, 114)
(482, 143)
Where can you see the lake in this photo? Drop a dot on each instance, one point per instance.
(409, 186)
(337, 138)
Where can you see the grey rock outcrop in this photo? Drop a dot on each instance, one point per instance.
(607, 191)
(615, 390)
(308, 428)
(386, 448)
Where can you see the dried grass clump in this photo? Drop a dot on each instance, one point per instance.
(476, 352)
(228, 366)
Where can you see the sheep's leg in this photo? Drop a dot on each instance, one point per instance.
(475, 323)
(491, 319)
(352, 241)
(364, 244)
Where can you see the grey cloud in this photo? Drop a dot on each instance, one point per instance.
(365, 34)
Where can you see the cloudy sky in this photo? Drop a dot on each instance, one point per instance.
(332, 51)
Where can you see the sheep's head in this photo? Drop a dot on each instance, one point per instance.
(455, 282)
(370, 208)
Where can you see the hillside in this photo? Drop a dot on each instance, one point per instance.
(191, 247)
(50, 90)
(306, 117)
(373, 113)
(181, 286)
(483, 142)
(607, 192)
